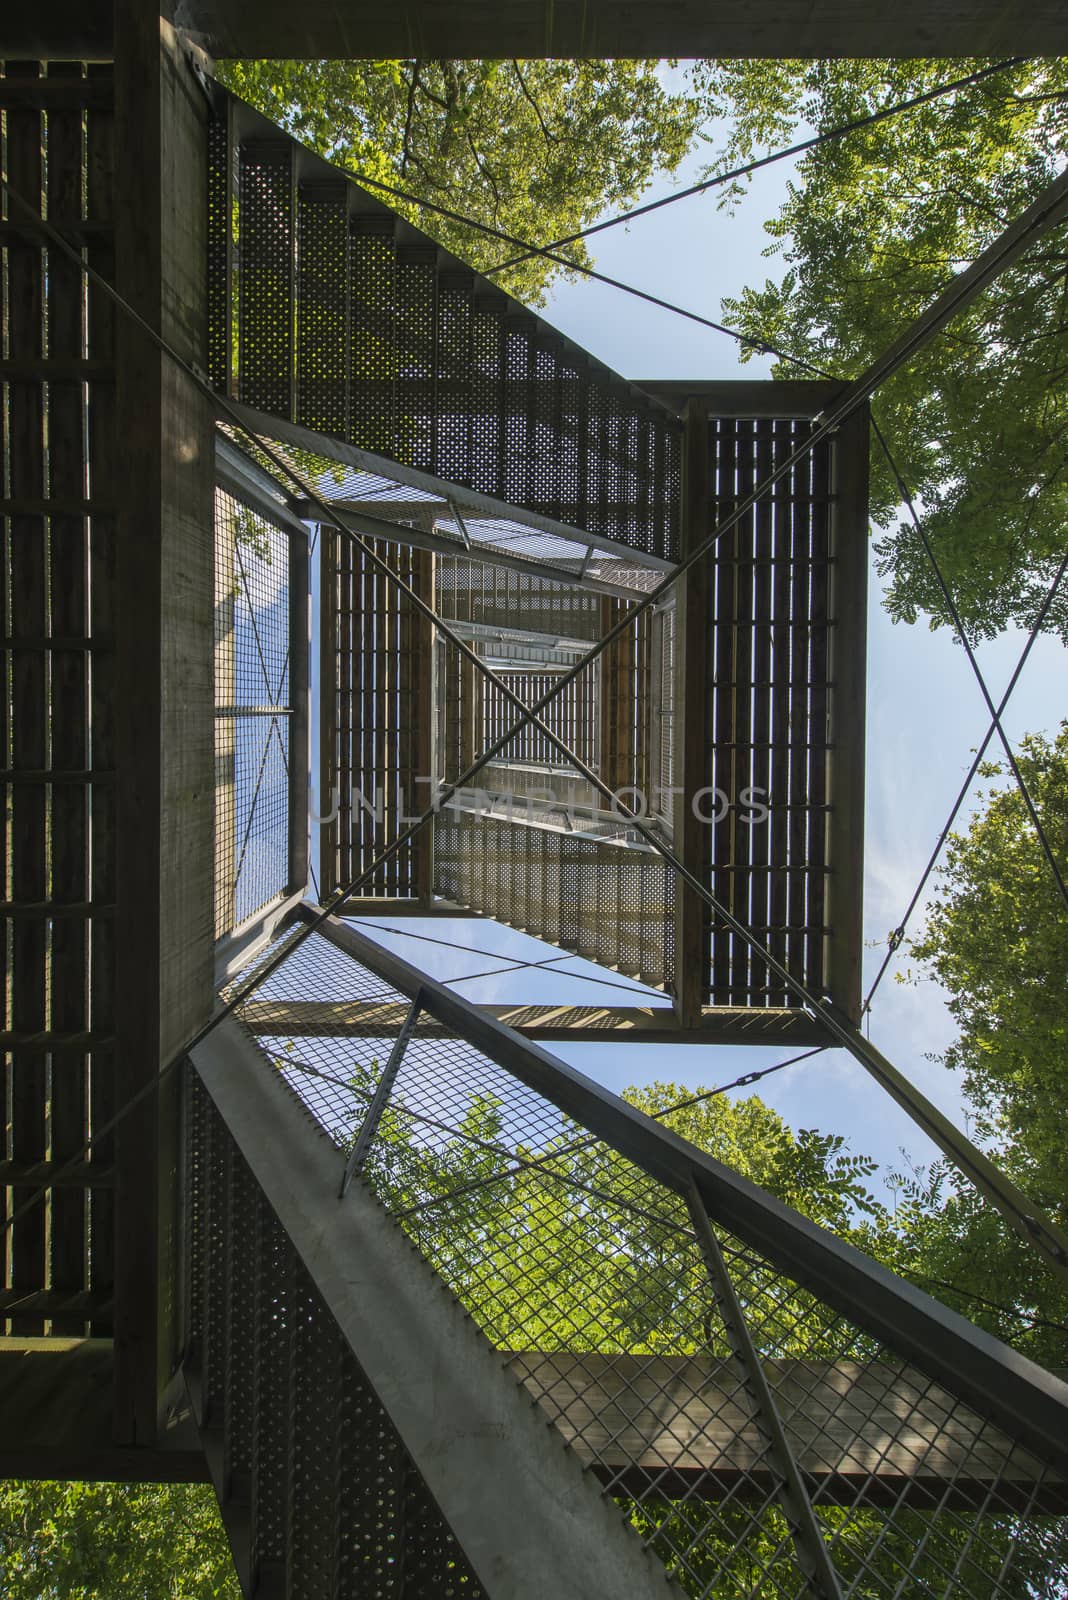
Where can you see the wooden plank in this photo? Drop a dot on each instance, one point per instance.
(56, 1400)
(817, 670)
(69, 700)
(849, 606)
(100, 336)
(425, 716)
(57, 1174)
(678, 28)
(333, 690)
(745, 397)
(780, 716)
(800, 796)
(62, 91)
(645, 1024)
(727, 949)
(693, 725)
(27, 555)
(742, 990)
(759, 899)
(882, 1430)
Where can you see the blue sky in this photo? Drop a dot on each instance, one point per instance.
(925, 714)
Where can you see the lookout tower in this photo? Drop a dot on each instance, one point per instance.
(299, 509)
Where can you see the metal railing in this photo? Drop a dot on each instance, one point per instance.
(773, 1412)
(261, 710)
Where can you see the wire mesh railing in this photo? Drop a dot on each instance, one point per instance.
(760, 1439)
(252, 711)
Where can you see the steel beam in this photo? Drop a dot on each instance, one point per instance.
(812, 1552)
(266, 426)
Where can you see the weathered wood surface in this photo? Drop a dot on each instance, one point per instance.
(648, 1024)
(872, 1430)
(56, 1398)
(532, 28)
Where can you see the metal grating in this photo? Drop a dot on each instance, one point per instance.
(767, 710)
(252, 711)
(761, 1442)
(57, 506)
(353, 323)
(319, 1496)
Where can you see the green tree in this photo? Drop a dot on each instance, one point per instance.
(536, 148)
(113, 1541)
(996, 938)
(872, 227)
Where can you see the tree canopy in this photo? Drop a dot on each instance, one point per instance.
(536, 148)
(997, 939)
(873, 226)
(113, 1541)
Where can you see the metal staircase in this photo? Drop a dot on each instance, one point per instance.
(459, 1321)
(330, 311)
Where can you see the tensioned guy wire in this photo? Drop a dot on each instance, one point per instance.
(893, 943)
(978, 1168)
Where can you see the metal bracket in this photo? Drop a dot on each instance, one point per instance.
(380, 1099)
(811, 1547)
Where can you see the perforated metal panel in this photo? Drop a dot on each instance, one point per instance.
(393, 345)
(319, 1495)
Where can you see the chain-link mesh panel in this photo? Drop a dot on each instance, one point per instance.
(316, 1481)
(947, 1504)
(591, 1278)
(252, 629)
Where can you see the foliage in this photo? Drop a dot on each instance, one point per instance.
(873, 227)
(113, 1541)
(535, 148)
(996, 937)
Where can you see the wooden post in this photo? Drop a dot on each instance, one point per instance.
(691, 725)
(848, 595)
(164, 721)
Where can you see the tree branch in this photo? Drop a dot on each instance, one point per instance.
(532, 102)
(412, 88)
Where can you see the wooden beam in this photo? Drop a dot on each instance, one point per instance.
(758, 29)
(745, 397)
(56, 1401)
(846, 713)
(577, 1024)
(870, 1427)
(164, 722)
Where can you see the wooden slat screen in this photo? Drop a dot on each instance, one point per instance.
(767, 731)
(380, 746)
(56, 661)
